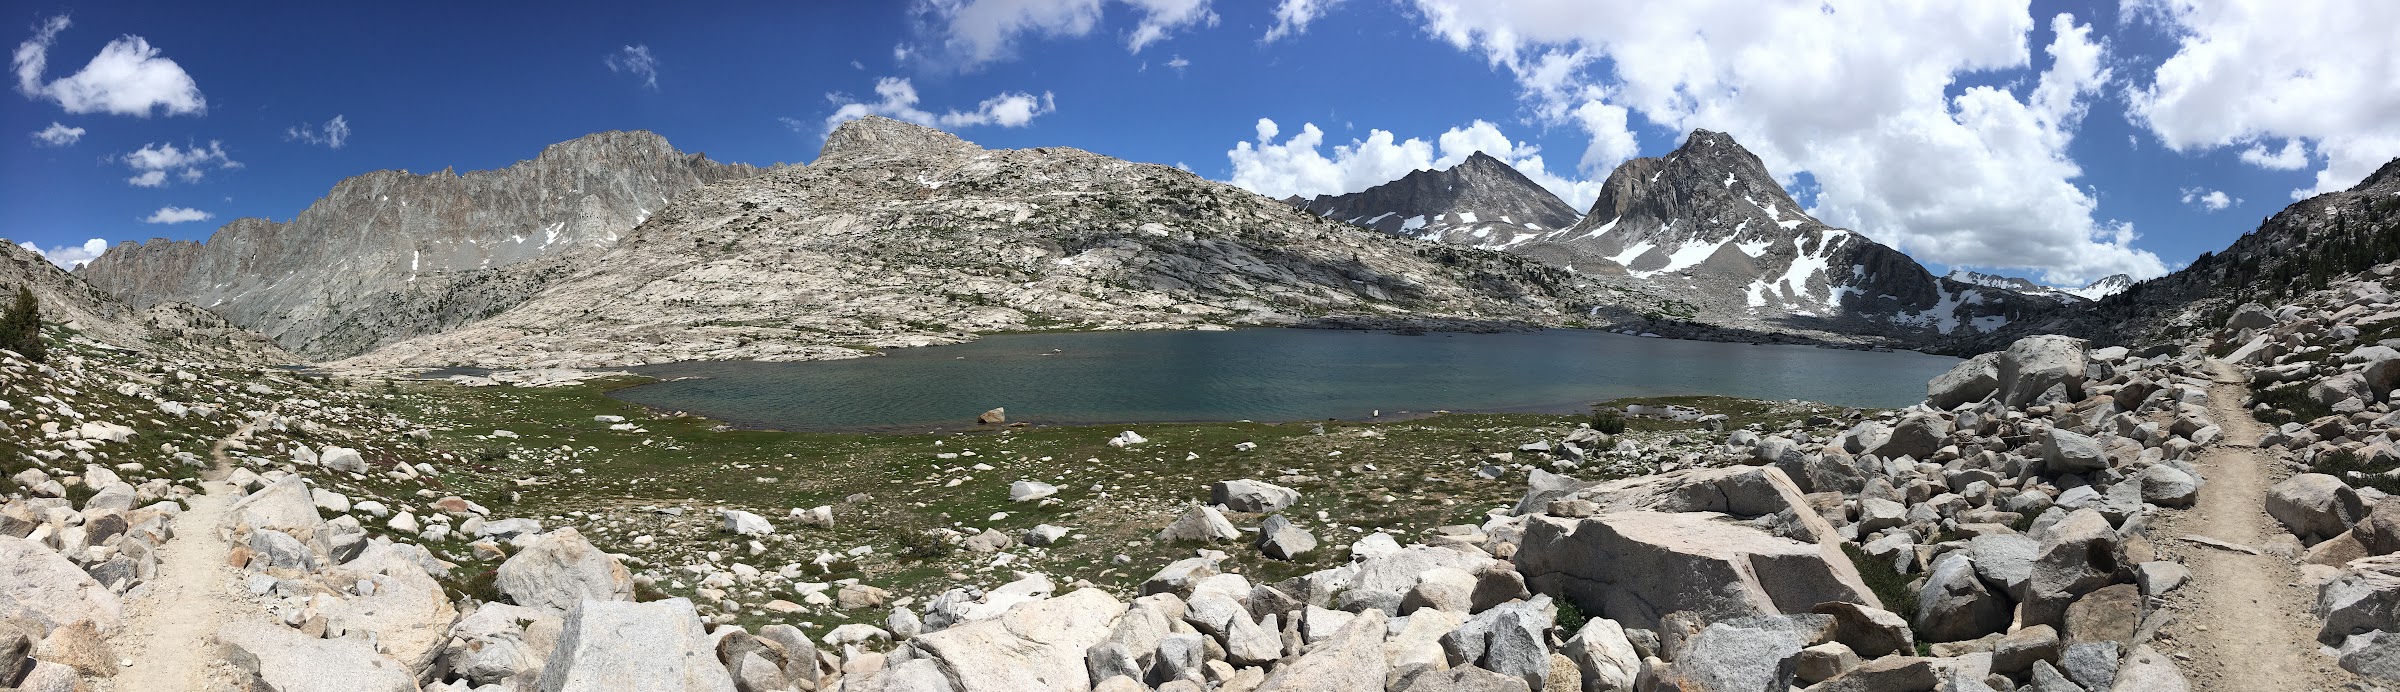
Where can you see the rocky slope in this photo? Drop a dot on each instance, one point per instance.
(1481, 202)
(2297, 250)
(1707, 221)
(904, 235)
(389, 255)
(167, 327)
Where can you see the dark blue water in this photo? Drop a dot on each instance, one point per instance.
(1267, 375)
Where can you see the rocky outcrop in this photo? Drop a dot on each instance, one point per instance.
(1710, 226)
(389, 255)
(167, 328)
(1480, 202)
(901, 235)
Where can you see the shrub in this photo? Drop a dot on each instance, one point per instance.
(2288, 404)
(1570, 618)
(2340, 463)
(922, 544)
(21, 327)
(1608, 420)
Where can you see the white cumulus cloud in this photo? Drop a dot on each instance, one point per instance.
(2293, 156)
(897, 99)
(980, 31)
(2248, 71)
(154, 162)
(178, 215)
(70, 256)
(127, 77)
(1298, 165)
(634, 60)
(1854, 93)
(1292, 17)
(2208, 200)
(333, 134)
(57, 135)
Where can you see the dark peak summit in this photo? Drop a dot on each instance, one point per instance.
(1479, 201)
(879, 139)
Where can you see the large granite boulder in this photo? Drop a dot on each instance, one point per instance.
(1969, 382)
(284, 505)
(1956, 605)
(2036, 364)
(559, 570)
(286, 660)
(2078, 555)
(1034, 647)
(621, 645)
(2314, 506)
(1637, 566)
(1743, 492)
(1248, 495)
(1351, 660)
(39, 585)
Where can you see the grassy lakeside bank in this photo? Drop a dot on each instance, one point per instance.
(664, 475)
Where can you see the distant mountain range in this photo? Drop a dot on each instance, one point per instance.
(1705, 223)
(2102, 288)
(616, 249)
(390, 254)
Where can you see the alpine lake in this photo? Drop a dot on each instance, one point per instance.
(1266, 375)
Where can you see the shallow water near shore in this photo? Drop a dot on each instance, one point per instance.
(1266, 375)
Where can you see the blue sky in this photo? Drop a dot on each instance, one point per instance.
(1969, 134)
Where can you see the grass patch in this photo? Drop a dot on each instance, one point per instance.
(2341, 463)
(2288, 404)
(1889, 585)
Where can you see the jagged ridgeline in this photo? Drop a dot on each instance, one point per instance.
(72, 309)
(1707, 224)
(900, 235)
(2298, 250)
(389, 255)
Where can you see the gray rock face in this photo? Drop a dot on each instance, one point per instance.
(1637, 566)
(1731, 657)
(2314, 506)
(774, 266)
(1917, 437)
(1955, 604)
(1970, 381)
(2374, 654)
(2364, 598)
(390, 255)
(1248, 495)
(559, 571)
(1034, 647)
(1710, 215)
(1482, 202)
(1604, 656)
(2035, 364)
(1279, 538)
(1350, 660)
(1200, 523)
(618, 645)
(288, 661)
(38, 585)
(2167, 486)
(2067, 452)
(165, 328)
(2079, 555)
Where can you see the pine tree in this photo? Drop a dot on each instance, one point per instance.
(21, 327)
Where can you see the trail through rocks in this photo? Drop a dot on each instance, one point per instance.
(2244, 621)
(170, 627)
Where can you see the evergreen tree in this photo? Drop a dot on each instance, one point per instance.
(21, 326)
